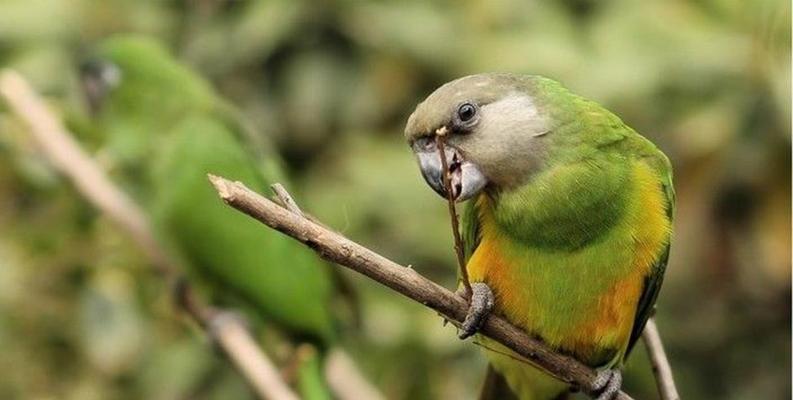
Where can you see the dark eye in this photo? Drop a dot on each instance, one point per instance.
(466, 112)
(98, 78)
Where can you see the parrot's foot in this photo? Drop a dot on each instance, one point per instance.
(608, 384)
(482, 301)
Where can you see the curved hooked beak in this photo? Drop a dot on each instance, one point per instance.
(465, 177)
(97, 78)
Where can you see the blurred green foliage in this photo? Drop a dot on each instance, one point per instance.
(332, 83)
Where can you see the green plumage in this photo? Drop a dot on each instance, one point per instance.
(166, 130)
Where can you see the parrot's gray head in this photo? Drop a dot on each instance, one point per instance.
(493, 132)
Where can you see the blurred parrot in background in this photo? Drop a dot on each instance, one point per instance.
(568, 229)
(165, 129)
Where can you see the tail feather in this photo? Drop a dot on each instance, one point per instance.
(495, 387)
(310, 377)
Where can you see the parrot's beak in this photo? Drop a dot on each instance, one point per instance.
(97, 78)
(465, 177)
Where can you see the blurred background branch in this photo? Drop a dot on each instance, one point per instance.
(660, 363)
(69, 159)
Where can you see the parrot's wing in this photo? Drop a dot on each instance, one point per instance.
(257, 145)
(652, 284)
(470, 232)
(280, 278)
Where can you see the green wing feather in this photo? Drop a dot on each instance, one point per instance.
(470, 229)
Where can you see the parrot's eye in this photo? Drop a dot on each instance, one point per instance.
(466, 112)
(467, 116)
(98, 78)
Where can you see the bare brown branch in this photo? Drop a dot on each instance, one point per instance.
(68, 157)
(337, 248)
(661, 368)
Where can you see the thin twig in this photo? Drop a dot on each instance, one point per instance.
(335, 247)
(440, 136)
(67, 156)
(70, 159)
(661, 368)
(244, 352)
(286, 199)
(344, 378)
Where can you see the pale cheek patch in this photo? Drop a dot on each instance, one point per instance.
(510, 118)
(504, 144)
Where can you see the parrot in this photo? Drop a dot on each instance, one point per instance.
(165, 129)
(567, 226)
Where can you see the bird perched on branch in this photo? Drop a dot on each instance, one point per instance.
(568, 228)
(165, 129)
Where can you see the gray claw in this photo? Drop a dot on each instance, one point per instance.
(608, 384)
(482, 301)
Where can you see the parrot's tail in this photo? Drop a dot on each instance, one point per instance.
(496, 387)
(311, 381)
(518, 379)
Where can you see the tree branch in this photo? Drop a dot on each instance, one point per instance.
(337, 248)
(346, 380)
(661, 368)
(70, 159)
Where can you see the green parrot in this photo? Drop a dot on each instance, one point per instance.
(568, 229)
(165, 130)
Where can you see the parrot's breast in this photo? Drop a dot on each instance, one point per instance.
(580, 300)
